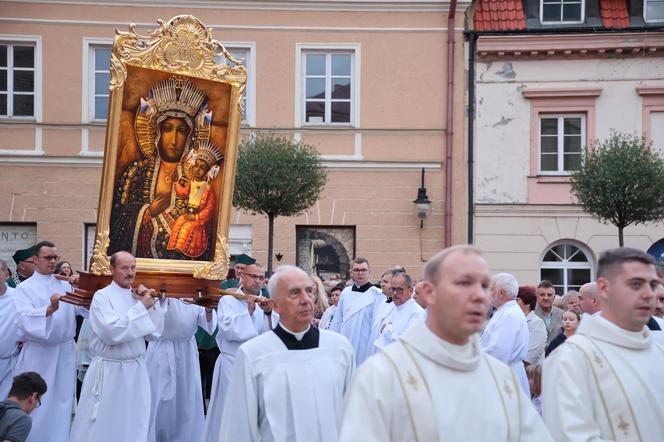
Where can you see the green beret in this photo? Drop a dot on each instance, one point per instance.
(24, 255)
(244, 259)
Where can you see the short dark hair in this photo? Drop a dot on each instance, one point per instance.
(611, 261)
(361, 260)
(341, 286)
(528, 296)
(545, 284)
(406, 277)
(27, 383)
(41, 244)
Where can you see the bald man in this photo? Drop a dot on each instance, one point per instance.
(588, 299)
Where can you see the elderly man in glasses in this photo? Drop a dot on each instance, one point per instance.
(405, 311)
(239, 320)
(48, 329)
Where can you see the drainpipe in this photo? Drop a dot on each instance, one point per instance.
(450, 122)
(472, 41)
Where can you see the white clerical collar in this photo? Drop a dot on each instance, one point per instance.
(404, 305)
(41, 276)
(600, 328)
(464, 357)
(297, 335)
(117, 286)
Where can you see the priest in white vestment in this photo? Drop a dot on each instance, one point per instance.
(406, 311)
(356, 315)
(435, 383)
(328, 315)
(506, 336)
(175, 375)
(288, 384)
(9, 333)
(605, 382)
(239, 321)
(48, 328)
(115, 397)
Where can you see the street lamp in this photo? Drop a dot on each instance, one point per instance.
(422, 203)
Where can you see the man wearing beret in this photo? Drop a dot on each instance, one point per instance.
(25, 266)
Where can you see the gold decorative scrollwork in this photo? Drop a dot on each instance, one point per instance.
(217, 269)
(101, 263)
(182, 46)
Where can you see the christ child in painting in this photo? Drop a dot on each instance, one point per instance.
(189, 233)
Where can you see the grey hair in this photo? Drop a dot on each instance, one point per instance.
(406, 277)
(506, 282)
(567, 295)
(3, 265)
(273, 282)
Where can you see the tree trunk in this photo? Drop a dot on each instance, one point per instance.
(621, 239)
(270, 242)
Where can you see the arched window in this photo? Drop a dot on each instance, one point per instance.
(567, 265)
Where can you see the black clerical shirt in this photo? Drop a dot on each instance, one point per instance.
(363, 288)
(309, 339)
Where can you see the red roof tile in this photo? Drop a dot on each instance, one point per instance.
(614, 13)
(500, 15)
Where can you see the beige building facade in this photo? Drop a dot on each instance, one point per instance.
(365, 82)
(542, 98)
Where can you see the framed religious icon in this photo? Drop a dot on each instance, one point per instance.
(325, 250)
(171, 144)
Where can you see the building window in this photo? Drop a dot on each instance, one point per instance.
(654, 10)
(327, 85)
(100, 60)
(245, 51)
(561, 143)
(17, 80)
(567, 266)
(561, 11)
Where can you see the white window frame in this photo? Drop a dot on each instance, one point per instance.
(250, 89)
(24, 40)
(300, 82)
(568, 265)
(645, 12)
(561, 139)
(89, 46)
(561, 21)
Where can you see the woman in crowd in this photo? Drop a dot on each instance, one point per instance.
(527, 300)
(64, 268)
(571, 319)
(320, 304)
(326, 320)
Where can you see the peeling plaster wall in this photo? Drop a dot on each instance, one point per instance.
(502, 120)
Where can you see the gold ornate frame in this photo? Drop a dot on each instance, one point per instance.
(182, 46)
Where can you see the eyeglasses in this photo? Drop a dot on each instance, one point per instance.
(254, 276)
(396, 290)
(360, 270)
(49, 257)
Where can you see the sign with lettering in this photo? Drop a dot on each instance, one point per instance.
(14, 237)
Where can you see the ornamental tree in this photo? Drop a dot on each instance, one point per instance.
(620, 182)
(277, 177)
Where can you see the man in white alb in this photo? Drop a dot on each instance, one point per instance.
(115, 397)
(175, 381)
(9, 334)
(239, 321)
(506, 336)
(47, 328)
(405, 312)
(604, 383)
(435, 383)
(288, 384)
(356, 311)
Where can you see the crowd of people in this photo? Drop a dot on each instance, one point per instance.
(459, 355)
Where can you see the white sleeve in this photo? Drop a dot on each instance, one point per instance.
(114, 328)
(240, 417)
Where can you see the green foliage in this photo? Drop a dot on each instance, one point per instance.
(620, 182)
(277, 177)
